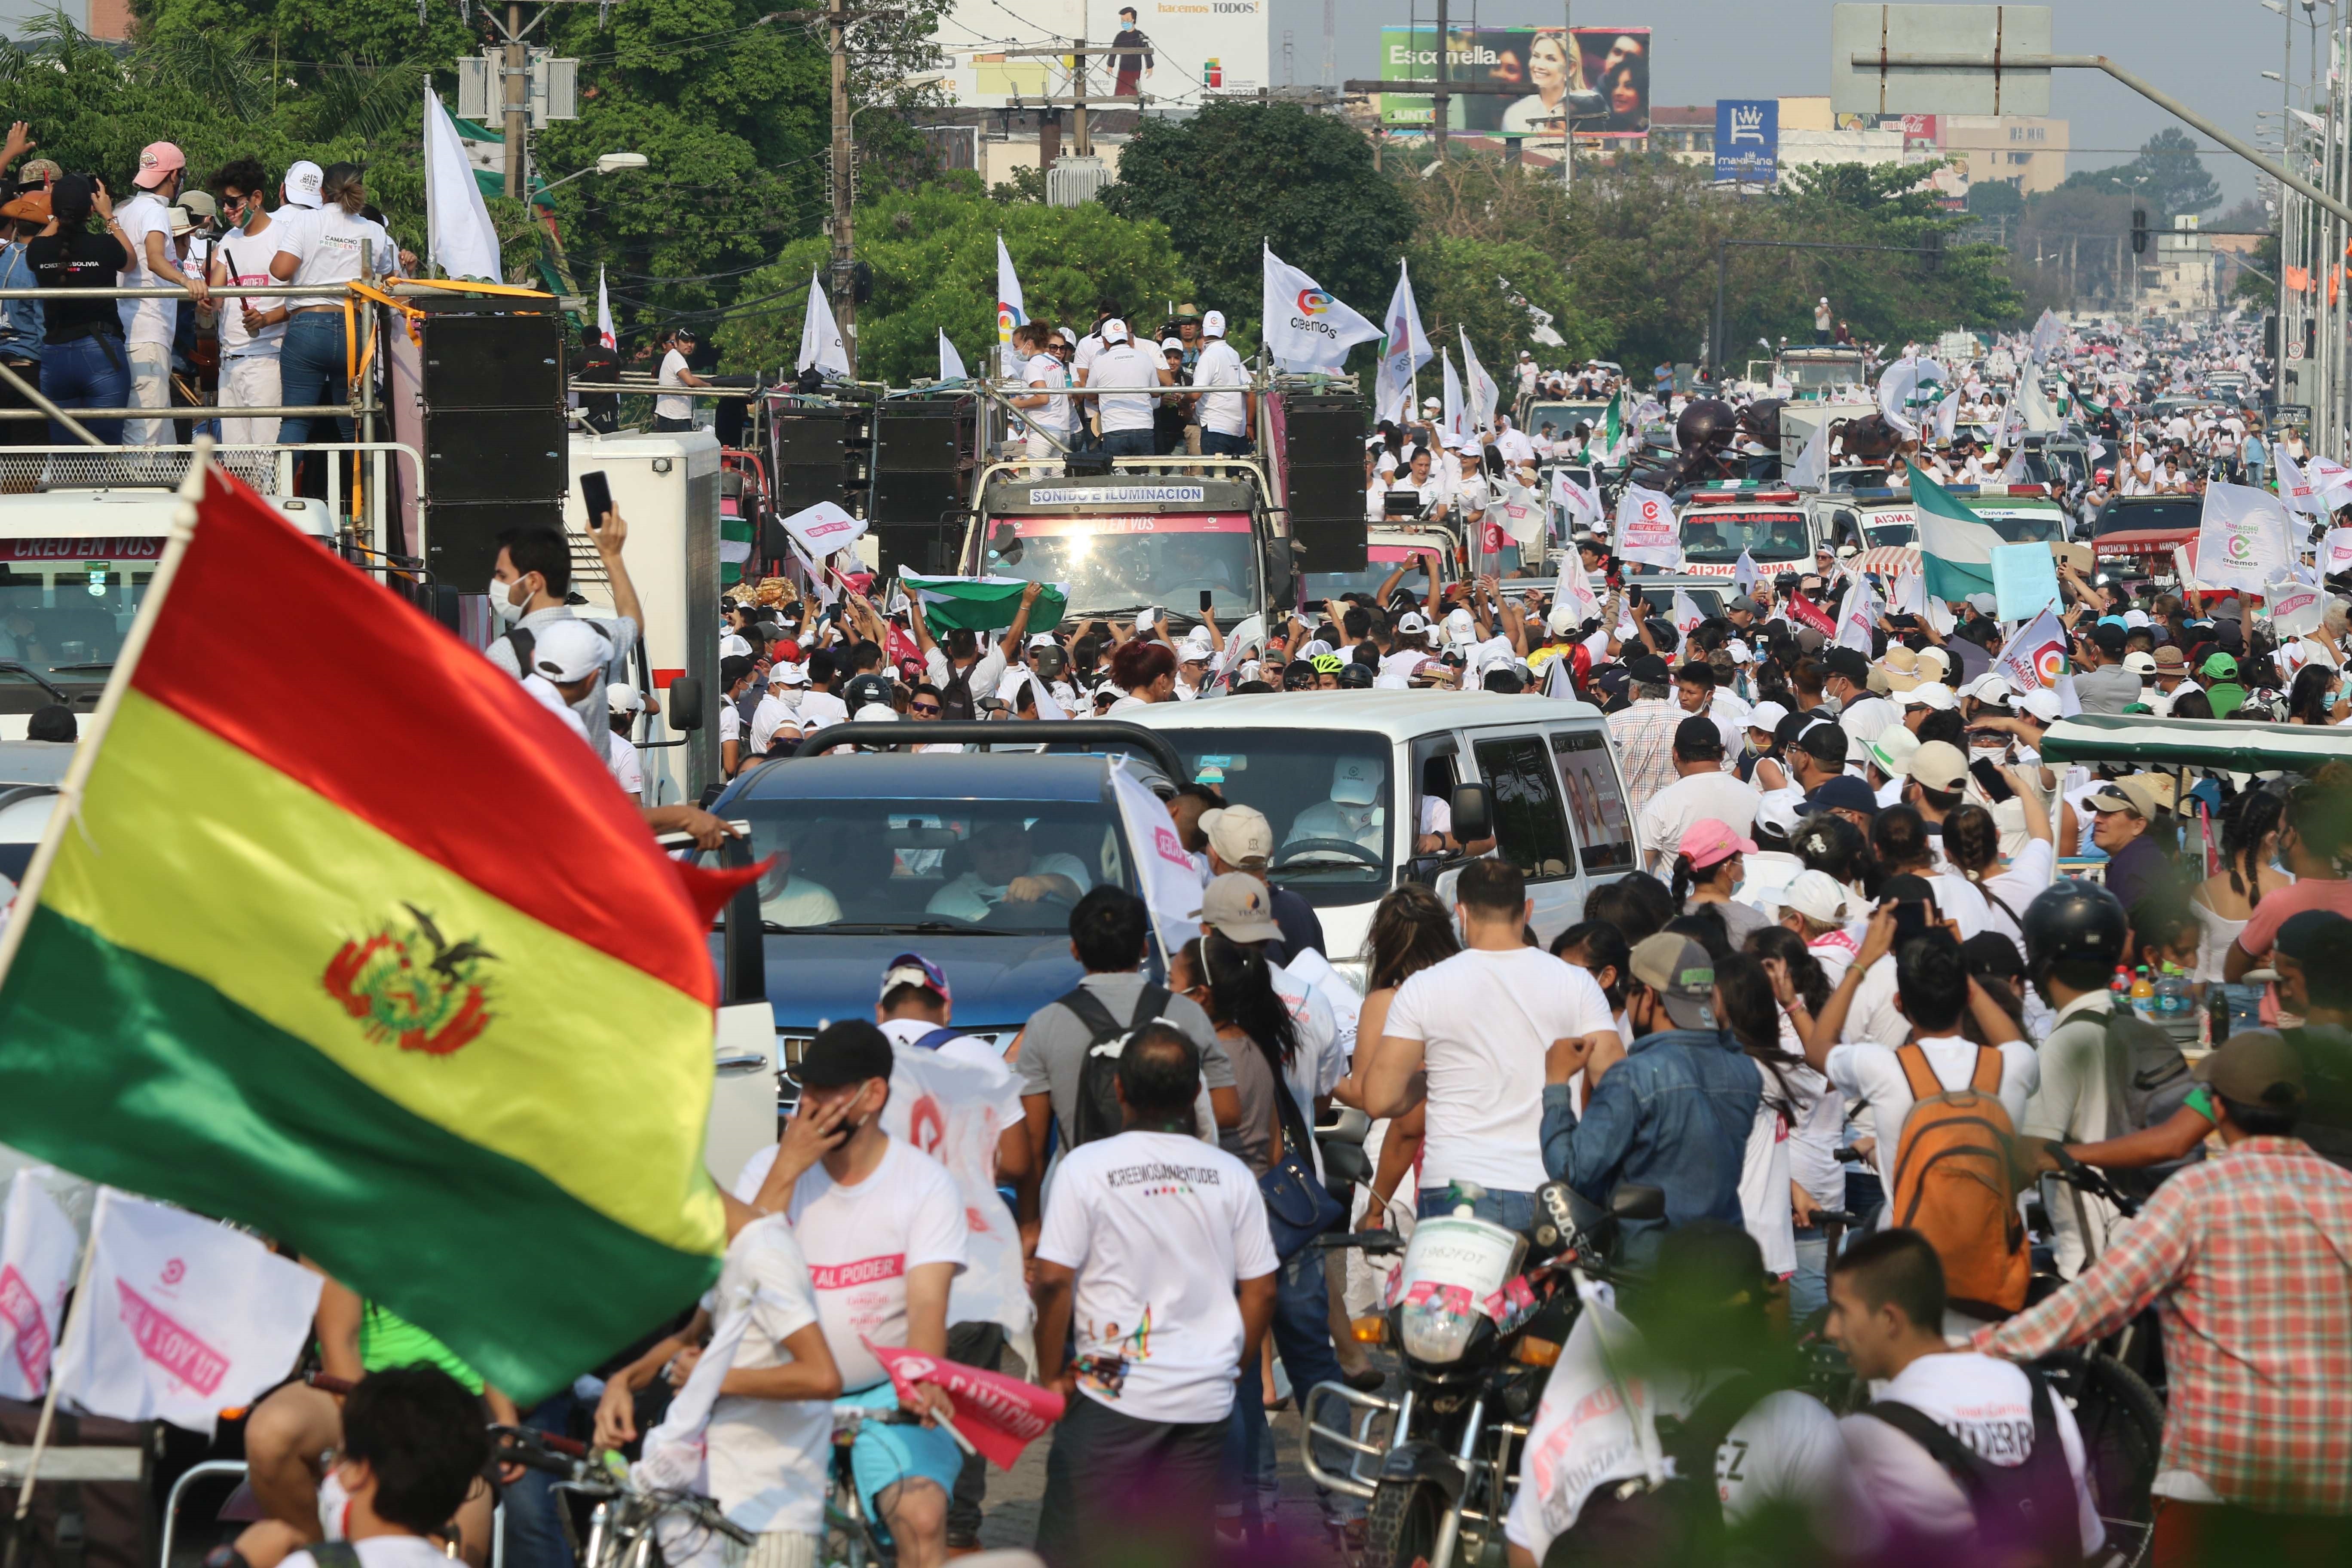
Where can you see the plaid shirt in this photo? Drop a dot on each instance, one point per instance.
(1644, 734)
(2248, 1258)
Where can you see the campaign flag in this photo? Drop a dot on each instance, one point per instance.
(2295, 487)
(1805, 613)
(1743, 572)
(1455, 414)
(820, 334)
(1811, 471)
(1686, 615)
(604, 332)
(1858, 616)
(2333, 480)
(2244, 536)
(1955, 545)
(2047, 335)
(183, 1318)
(1171, 883)
(999, 1416)
(2034, 409)
(983, 604)
(2335, 551)
(955, 1111)
(1594, 1425)
(1306, 327)
(468, 1083)
(2035, 657)
(1484, 396)
(1009, 311)
(2184, 566)
(822, 528)
(2295, 606)
(459, 237)
(1577, 591)
(1518, 513)
(2024, 580)
(1645, 528)
(1908, 389)
(1576, 499)
(950, 363)
(1948, 416)
(1404, 351)
(1910, 592)
(38, 1248)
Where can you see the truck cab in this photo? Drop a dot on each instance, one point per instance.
(1718, 524)
(1814, 372)
(1863, 519)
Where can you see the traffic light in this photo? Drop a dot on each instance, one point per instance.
(1932, 245)
(2139, 231)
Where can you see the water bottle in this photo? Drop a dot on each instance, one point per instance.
(2172, 996)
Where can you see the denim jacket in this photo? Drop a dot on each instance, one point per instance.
(1675, 1114)
(21, 323)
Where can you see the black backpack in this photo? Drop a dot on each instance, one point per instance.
(955, 699)
(1098, 1115)
(2025, 1513)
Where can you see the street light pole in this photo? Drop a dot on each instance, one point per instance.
(845, 294)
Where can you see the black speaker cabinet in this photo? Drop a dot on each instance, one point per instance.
(1323, 467)
(917, 442)
(461, 540)
(493, 389)
(495, 454)
(503, 361)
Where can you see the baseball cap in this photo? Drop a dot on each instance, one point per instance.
(623, 698)
(734, 645)
(1824, 743)
(1843, 793)
(2130, 794)
(40, 171)
(2139, 661)
(200, 204)
(1213, 325)
(1114, 331)
(914, 969)
(1816, 895)
(1562, 622)
(1710, 843)
(1239, 834)
(2040, 703)
(1932, 694)
(2299, 930)
(1696, 737)
(1682, 975)
(1172, 345)
(1848, 662)
(788, 672)
(1938, 658)
(157, 160)
(1411, 623)
(850, 1051)
(1766, 716)
(1649, 669)
(1983, 603)
(1237, 906)
(1938, 765)
(2219, 666)
(1355, 781)
(569, 650)
(303, 179)
(2251, 1066)
(1892, 751)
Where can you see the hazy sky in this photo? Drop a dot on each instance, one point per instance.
(2208, 55)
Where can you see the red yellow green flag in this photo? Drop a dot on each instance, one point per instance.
(348, 938)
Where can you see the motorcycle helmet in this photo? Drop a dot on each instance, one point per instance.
(1354, 677)
(2074, 919)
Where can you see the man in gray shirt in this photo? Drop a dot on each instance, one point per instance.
(1109, 929)
(2103, 684)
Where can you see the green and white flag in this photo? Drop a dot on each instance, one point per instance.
(984, 604)
(734, 546)
(1955, 544)
(1612, 429)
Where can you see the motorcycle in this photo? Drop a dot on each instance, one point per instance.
(1478, 1313)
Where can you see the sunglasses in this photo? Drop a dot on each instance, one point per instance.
(923, 707)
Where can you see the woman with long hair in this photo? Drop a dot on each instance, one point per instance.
(1411, 931)
(2228, 898)
(1555, 69)
(2308, 700)
(1145, 670)
(1752, 1015)
(1707, 873)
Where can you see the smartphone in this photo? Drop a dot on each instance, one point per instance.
(1995, 786)
(1206, 593)
(596, 495)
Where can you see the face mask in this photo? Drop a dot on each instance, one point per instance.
(503, 609)
(334, 1502)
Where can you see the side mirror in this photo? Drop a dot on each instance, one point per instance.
(1004, 543)
(1280, 577)
(1473, 813)
(684, 710)
(1633, 1201)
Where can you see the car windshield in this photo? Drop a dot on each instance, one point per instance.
(2021, 525)
(2120, 517)
(1857, 479)
(1120, 564)
(999, 866)
(1904, 531)
(1380, 560)
(1719, 537)
(1826, 372)
(66, 604)
(1324, 792)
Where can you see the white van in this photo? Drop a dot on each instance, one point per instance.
(1548, 767)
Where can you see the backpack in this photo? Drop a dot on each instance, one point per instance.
(1955, 1184)
(1098, 1115)
(2025, 1513)
(2147, 1080)
(955, 697)
(938, 1037)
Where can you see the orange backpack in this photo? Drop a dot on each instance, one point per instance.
(1954, 1184)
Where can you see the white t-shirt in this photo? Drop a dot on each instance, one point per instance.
(1485, 1020)
(145, 321)
(768, 1458)
(730, 717)
(1120, 366)
(1987, 1403)
(1764, 1175)
(1157, 1227)
(244, 258)
(679, 405)
(1224, 412)
(1786, 1451)
(774, 713)
(1694, 798)
(326, 245)
(1871, 1072)
(382, 1550)
(1867, 718)
(2018, 885)
(1060, 414)
(862, 1241)
(819, 708)
(627, 770)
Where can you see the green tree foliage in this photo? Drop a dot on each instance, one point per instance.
(933, 252)
(2169, 176)
(1237, 174)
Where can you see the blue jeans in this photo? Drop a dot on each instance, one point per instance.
(1302, 1338)
(87, 372)
(534, 1532)
(1217, 444)
(1809, 1287)
(1512, 1211)
(312, 369)
(1128, 443)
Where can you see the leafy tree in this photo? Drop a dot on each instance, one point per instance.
(1994, 198)
(1237, 174)
(933, 252)
(2169, 176)
(1457, 282)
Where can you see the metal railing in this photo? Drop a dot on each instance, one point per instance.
(270, 470)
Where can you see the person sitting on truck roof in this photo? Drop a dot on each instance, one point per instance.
(1004, 871)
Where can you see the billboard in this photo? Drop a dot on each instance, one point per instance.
(1746, 141)
(1612, 62)
(1169, 54)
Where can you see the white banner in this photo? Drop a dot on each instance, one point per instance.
(1911, 593)
(604, 332)
(955, 1111)
(950, 363)
(1858, 616)
(2332, 480)
(38, 1252)
(2335, 551)
(1585, 1437)
(1457, 415)
(2295, 606)
(1406, 351)
(1010, 312)
(1743, 572)
(820, 335)
(183, 1318)
(1484, 396)
(1306, 327)
(2047, 332)
(1577, 592)
(1645, 528)
(1811, 471)
(1686, 615)
(2245, 536)
(459, 237)
(2295, 488)
(1517, 513)
(1580, 503)
(822, 528)
(1171, 883)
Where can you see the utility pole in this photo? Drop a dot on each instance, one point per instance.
(1439, 99)
(1574, 57)
(1078, 97)
(844, 250)
(517, 108)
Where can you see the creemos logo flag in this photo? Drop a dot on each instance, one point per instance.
(1645, 527)
(1010, 311)
(2243, 538)
(822, 528)
(504, 1059)
(1306, 327)
(2035, 657)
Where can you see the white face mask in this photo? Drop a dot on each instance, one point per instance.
(503, 609)
(334, 1502)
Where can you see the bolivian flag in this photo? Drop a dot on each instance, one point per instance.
(339, 934)
(1955, 545)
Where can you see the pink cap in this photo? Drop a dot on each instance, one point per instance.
(156, 162)
(1711, 842)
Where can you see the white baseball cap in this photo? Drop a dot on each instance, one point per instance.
(1114, 331)
(1213, 325)
(1562, 622)
(1816, 895)
(1355, 781)
(302, 181)
(1767, 716)
(569, 650)
(2139, 661)
(734, 645)
(623, 698)
(1411, 624)
(1932, 694)
(2043, 703)
(1172, 345)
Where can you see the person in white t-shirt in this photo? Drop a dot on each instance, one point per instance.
(1226, 417)
(1126, 421)
(675, 410)
(1047, 411)
(883, 1229)
(148, 324)
(1155, 1248)
(411, 1447)
(1702, 792)
(251, 330)
(1481, 1027)
(334, 245)
(1888, 1311)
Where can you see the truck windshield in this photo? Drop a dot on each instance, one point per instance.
(1117, 566)
(1710, 538)
(2121, 517)
(868, 865)
(1821, 375)
(1900, 528)
(1326, 794)
(1380, 560)
(2021, 525)
(67, 604)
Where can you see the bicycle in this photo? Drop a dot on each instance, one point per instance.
(626, 1520)
(852, 1538)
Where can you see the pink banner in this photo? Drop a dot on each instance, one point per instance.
(22, 1311)
(169, 1346)
(1001, 1415)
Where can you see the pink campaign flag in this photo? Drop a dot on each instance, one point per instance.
(999, 1416)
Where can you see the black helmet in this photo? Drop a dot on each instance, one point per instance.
(1355, 677)
(2073, 919)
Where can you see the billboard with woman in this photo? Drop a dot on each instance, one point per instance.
(1604, 72)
